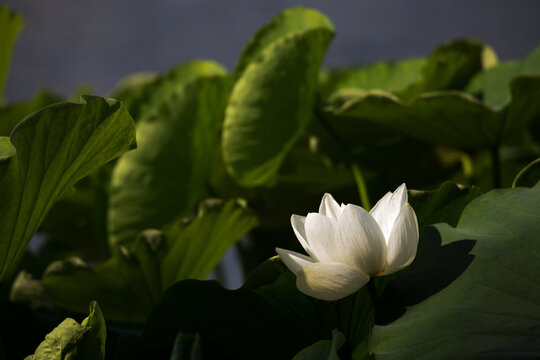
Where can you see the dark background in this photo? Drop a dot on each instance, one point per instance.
(69, 43)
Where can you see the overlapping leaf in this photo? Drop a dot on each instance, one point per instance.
(490, 310)
(71, 340)
(268, 318)
(451, 66)
(11, 114)
(492, 85)
(280, 65)
(166, 177)
(323, 349)
(46, 154)
(450, 118)
(390, 76)
(144, 92)
(129, 284)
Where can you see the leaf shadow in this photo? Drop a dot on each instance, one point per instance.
(434, 268)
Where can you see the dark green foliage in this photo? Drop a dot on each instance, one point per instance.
(252, 149)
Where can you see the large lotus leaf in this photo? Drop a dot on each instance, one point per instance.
(10, 25)
(71, 340)
(268, 318)
(442, 205)
(323, 349)
(451, 118)
(12, 113)
(289, 22)
(166, 177)
(451, 66)
(389, 76)
(143, 92)
(492, 85)
(129, 284)
(124, 290)
(491, 310)
(195, 248)
(46, 154)
(283, 62)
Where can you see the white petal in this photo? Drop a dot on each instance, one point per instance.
(299, 227)
(387, 209)
(320, 232)
(329, 281)
(293, 260)
(359, 241)
(403, 241)
(329, 207)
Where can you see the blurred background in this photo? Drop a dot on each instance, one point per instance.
(69, 43)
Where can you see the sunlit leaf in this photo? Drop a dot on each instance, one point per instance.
(71, 340)
(196, 247)
(51, 150)
(389, 76)
(130, 283)
(166, 176)
(451, 66)
(492, 85)
(451, 118)
(280, 66)
(491, 309)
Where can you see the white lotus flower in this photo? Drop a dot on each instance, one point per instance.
(347, 245)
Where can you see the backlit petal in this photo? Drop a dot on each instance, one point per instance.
(359, 241)
(387, 209)
(329, 281)
(293, 260)
(299, 227)
(320, 232)
(329, 207)
(403, 241)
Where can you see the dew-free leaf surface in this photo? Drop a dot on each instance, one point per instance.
(450, 118)
(130, 283)
(491, 311)
(71, 340)
(46, 155)
(166, 176)
(279, 66)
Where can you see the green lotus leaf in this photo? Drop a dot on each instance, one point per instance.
(280, 65)
(389, 76)
(491, 309)
(492, 85)
(450, 118)
(71, 340)
(130, 283)
(166, 176)
(55, 147)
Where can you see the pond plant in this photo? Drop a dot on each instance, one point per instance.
(130, 201)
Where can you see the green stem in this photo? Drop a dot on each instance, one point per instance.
(362, 188)
(496, 166)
